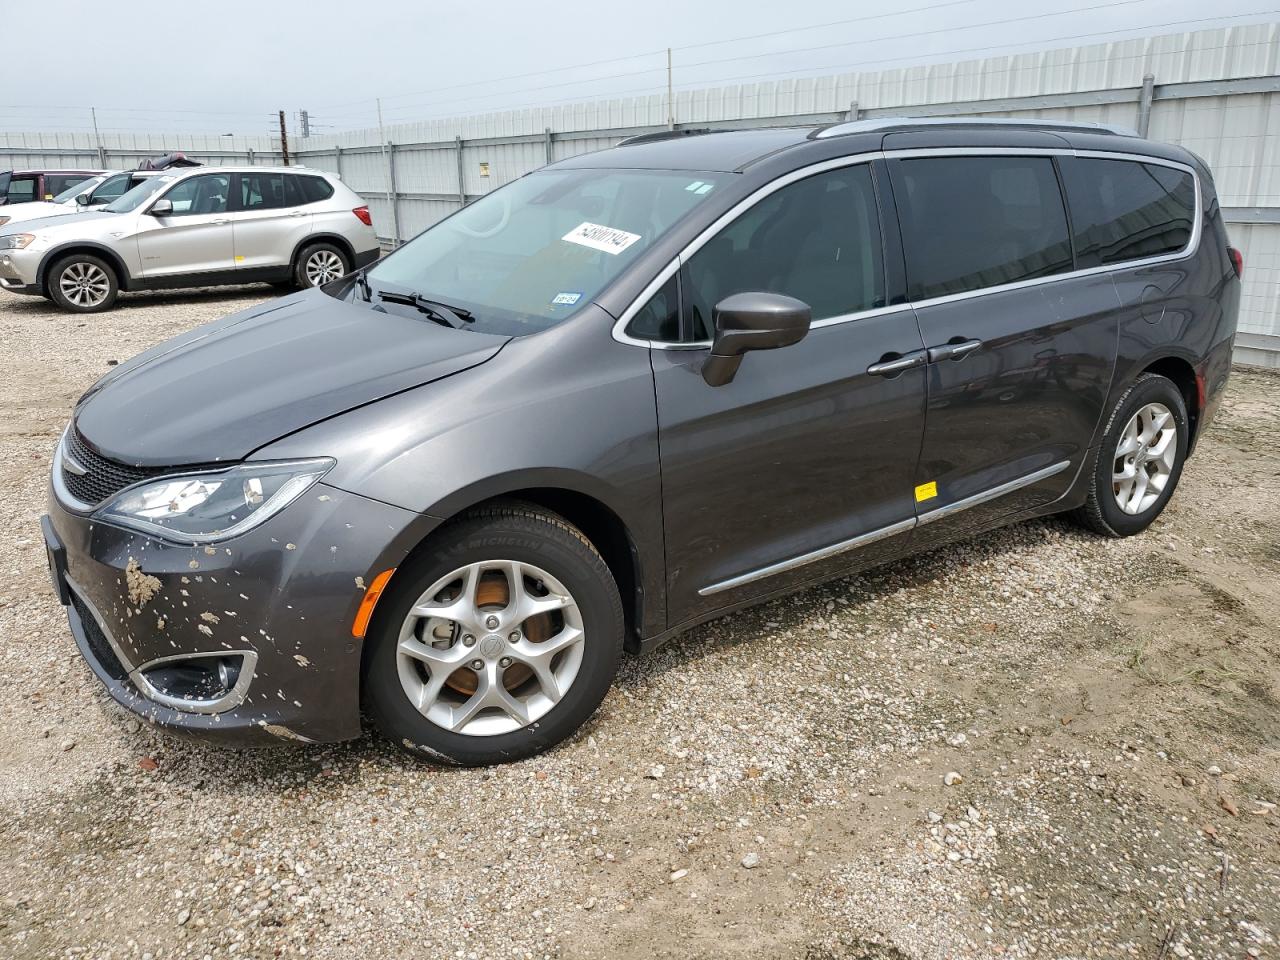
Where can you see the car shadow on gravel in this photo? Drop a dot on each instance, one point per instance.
(253, 293)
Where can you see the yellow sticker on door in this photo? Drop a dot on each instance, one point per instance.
(926, 491)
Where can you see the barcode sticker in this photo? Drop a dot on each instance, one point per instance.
(608, 239)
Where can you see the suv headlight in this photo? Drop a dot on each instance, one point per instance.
(16, 241)
(217, 505)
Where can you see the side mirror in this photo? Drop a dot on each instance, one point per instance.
(161, 208)
(752, 321)
(82, 199)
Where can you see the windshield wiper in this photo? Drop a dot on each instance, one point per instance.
(442, 313)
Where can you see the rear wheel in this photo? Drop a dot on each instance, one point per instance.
(1138, 464)
(318, 263)
(83, 283)
(499, 642)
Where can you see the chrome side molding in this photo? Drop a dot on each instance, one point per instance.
(902, 526)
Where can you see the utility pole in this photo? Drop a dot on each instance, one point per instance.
(305, 118)
(284, 140)
(386, 165)
(97, 138)
(671, 103)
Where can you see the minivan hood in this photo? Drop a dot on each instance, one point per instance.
(221, 391)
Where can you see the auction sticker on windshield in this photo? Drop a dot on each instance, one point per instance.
(608, 239)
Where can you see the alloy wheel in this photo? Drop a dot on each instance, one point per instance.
(323, 266)
(1144, 458)
(84, 284)
(490, 648)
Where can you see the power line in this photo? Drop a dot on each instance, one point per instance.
(777, 53)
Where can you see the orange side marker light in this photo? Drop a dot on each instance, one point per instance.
(371, 595)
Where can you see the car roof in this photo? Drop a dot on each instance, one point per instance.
(92, 173)
(735, 150)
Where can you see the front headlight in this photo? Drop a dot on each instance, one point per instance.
(218, 505)
(16, 241)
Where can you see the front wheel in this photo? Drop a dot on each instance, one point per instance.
(498, 642)
(83, 284)
(1138, 464)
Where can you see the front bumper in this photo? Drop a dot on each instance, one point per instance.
(19, 269)
(281, 598)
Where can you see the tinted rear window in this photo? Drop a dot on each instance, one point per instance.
(1124, 210)
(974, 222)
(22, 189)
(315, 189)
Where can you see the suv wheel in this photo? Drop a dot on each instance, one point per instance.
(497, 643)
(83, 284)
(319, 263)
(1139, 461)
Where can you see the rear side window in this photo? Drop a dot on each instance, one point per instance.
(1125, 210)
(55, 183)
(110, 189)
(22, 189)
(974, 222)
(315, 189)
(817, 240)
(261, 191)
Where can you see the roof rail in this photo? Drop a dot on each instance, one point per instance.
(873, 124)
(667, 135)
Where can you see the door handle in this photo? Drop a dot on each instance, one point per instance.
(953, 351)
(297, 213)
(895, 366)
(218, 223)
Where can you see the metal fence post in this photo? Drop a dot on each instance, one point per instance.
(393, 194)
(547, 142)
(462, 182)
(853, 109)
(251, 156)
(337, 161)
(1144, 104)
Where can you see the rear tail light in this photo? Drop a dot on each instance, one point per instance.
(362, 214)
(1237, 261)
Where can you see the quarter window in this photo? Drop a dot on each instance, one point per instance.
(1125, 210)
(974, 222)
(200, 195)
(315, 189)
(659, 319)
(817, 240)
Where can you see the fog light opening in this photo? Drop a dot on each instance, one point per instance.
(202, 683)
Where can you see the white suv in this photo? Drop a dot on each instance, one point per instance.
(92, 194)
(194, 228)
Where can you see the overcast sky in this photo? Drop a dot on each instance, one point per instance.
(228, 65)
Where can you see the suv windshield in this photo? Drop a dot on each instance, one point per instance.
(533, 253)
(75, 190)
(138, 195)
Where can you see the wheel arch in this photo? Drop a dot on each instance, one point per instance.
(600, 523)
(337, 240)
(1183, 373)
(123, 280)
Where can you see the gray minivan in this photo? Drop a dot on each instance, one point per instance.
(625, 394)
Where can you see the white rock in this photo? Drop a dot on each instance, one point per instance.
(679, 874)
(751, 860)
(951, 778)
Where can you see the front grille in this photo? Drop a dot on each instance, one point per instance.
(102, 477)
(97, 641)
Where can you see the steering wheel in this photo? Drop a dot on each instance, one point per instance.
(486, 234)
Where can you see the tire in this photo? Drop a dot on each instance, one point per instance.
(318, 263)
(449, 728)
(1140, 405)
(81, 283)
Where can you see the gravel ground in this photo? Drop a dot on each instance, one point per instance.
(1036, 743)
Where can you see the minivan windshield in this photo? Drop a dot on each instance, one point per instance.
(74, 191)
(531, 254)
(132, 199)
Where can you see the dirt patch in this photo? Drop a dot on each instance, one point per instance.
(142, 586)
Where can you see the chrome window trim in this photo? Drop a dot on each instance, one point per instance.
(1192, 247)
(881, 533)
